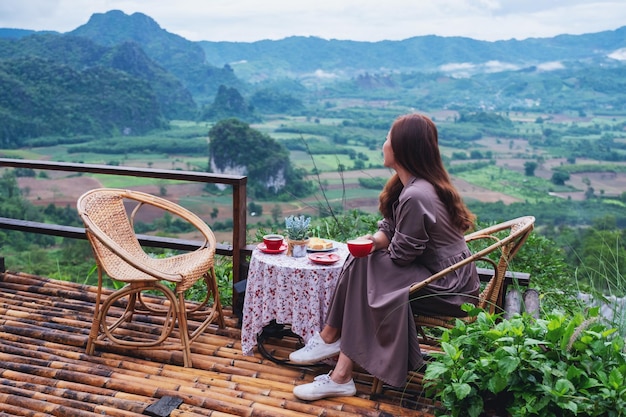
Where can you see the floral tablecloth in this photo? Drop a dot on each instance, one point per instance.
(289, 290)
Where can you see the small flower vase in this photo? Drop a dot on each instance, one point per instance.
(297, 248)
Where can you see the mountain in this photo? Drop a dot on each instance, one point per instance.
(14, 33)
(204, 65)
(183, 58)
(299, 56)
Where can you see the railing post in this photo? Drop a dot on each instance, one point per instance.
(239, 232)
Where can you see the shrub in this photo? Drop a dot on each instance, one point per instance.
(346, 225)
(556, 366)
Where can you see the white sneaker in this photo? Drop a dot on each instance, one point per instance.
(315, 350)
(323, 387)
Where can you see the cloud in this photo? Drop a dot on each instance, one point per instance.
(466, 69)
(24, 11)
(550, 66)
(362, 20)
(619, 55)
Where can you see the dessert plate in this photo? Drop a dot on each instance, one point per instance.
(324, 258)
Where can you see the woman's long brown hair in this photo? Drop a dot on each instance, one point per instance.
(415, 145)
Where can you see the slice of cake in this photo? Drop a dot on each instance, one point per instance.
(317, 243)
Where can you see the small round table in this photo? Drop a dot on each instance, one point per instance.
(288, 290)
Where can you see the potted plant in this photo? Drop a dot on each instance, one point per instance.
(297, 231)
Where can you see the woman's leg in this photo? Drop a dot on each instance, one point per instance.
(343, 369)
(330, 334)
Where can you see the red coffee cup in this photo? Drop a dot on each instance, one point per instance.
(360, 247)
(273, 242)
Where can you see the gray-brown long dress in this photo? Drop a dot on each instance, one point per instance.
(371, 301)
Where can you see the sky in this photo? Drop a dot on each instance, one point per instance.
(358, 20)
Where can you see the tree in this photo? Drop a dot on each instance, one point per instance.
(234, 146)
(271, 101)
(529, 168)
(276, 213)
(255, 209)
(559, 177)
(228, 103)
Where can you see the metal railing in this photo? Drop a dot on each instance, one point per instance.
(237, 250)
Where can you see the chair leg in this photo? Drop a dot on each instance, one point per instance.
(130, 308)
(183, 329)
(199, 311)
(95, 324)
(216, 298)
(95, 330)
(377, 386)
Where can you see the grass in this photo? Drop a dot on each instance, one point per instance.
(511, 183)
(203, 200)
(116, 181)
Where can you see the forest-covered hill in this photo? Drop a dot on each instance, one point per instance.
(65, 85)
(305, 55)
(43, 98)
(183, 58)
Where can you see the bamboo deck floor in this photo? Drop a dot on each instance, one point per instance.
(44, 370)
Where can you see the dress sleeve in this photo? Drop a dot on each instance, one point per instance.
(414, 216)
(387, 226)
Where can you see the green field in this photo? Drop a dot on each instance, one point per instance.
(342, 164)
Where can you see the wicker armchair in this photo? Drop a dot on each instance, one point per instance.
(493, 239)
(119, 254)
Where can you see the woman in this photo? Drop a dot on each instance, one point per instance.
(370, 319)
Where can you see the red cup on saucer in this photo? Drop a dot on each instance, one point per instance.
(273, 241)
(360, 247)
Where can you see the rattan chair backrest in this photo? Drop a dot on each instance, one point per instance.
(109, 227)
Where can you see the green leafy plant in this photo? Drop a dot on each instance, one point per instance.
(297, 227)
(556, 366)
(346, 225)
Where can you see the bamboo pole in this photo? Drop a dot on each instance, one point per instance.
(512, 303)
(12, 410)
(193, 412)
(65, 398)
(531, 302)
(42, 406)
